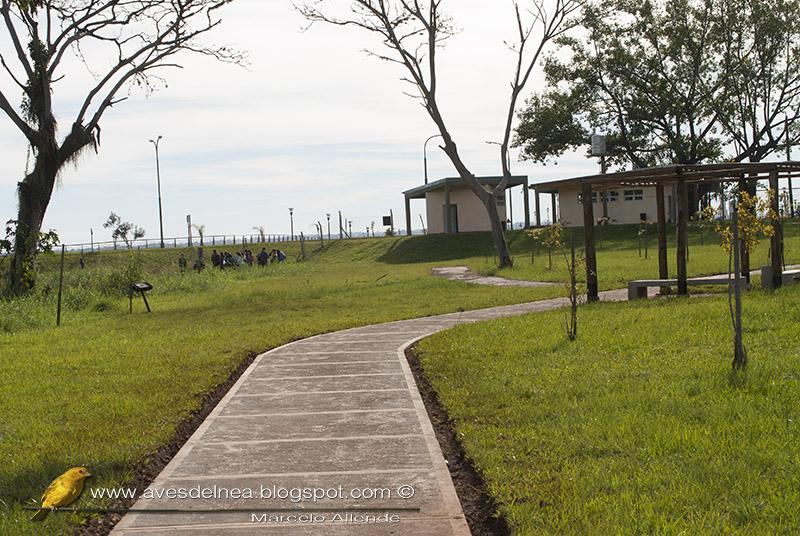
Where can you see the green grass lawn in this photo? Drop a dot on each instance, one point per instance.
(619, 259)
(638, 427)
(106, 389)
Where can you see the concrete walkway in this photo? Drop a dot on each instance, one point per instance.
(465, 275)
(335, 410)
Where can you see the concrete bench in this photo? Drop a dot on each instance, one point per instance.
(787, 277)
(638, 289)
(791, 276)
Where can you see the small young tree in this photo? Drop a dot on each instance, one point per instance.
(45, 242)
(552, 236)
(746, 230)
(123, 230)
(755, 216)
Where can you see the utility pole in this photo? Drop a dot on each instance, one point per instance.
(91, 238)
(340, 225)
(508, 188)
(158, 179)
(328, 215)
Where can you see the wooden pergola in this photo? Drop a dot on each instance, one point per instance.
(681, 176)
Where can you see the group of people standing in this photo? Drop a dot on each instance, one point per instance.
(225, 259)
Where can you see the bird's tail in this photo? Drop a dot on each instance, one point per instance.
(40, 514)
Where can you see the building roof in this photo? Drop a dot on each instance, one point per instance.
(677, 172)
(420, 191)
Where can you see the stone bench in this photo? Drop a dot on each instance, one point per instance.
(638, 289)
(787, 277)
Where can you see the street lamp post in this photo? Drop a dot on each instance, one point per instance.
(291, 222)
(510, 199)
(425, 154)
(328, 215)
(158, 179)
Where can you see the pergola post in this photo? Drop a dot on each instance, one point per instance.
(683, 211)
(447, 226)
(408, 216)
(536, 205)
(591, 256)
(776, 242)
(663, 268)
(553, 205)
(526, 204)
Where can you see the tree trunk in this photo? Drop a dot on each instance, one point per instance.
(498, 237)
(34, 194)
(487, 197)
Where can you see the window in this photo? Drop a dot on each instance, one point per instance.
(611, 196)
(634, 195)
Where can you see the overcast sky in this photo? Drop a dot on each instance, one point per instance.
(313, 124)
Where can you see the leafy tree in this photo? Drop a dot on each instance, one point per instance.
(129, 39)
(123, 230)
(672, 81)
(757, 99)
(635, 76)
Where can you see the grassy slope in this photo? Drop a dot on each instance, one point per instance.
(637, 427)
(107, 388)
(619, 261)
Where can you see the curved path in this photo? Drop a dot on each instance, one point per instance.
(334, 410)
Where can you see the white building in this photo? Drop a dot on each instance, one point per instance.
(466, 212)
(620, 204)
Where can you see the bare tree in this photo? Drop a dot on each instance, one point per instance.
(130, 39)
(261, 233)
(201, 230)
(413, 30)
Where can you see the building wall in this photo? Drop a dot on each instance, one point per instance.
(471, 212)
(620, 211)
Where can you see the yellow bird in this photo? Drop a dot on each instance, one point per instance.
(62, 491)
